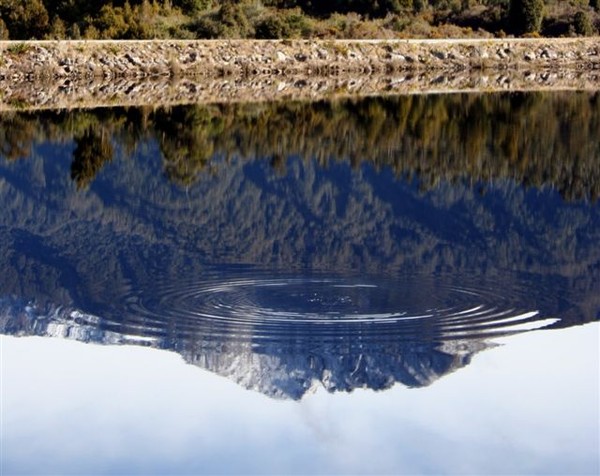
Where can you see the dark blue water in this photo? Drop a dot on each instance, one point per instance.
(406, 232)
(250, 288)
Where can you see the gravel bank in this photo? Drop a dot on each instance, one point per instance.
(104, 59)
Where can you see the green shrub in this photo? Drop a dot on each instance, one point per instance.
(58, 31)
(582, 24)
(525, 16)
(205, 27)
(91, 33)
(111, 22)
(75, 32)
(192, 7)
(229, 21)
(25, 19)
(271, 28)
(18, 48)
(298, 23)
(3, 31)
(233, 18)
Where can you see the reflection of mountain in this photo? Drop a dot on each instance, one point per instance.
(132, 229)
(172, 266)
(279, 370)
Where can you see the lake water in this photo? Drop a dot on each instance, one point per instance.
(381, 285)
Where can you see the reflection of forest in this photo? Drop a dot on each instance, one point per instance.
(534, 138)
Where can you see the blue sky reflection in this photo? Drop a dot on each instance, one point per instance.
(529, 406)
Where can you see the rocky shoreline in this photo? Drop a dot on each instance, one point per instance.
(64, 74)
(93, 59)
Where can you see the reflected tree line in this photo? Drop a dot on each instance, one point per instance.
(537, 139)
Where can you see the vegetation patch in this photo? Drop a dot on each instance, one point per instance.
(270, 19)
(18, 48)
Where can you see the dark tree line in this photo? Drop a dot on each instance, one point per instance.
(131, 19)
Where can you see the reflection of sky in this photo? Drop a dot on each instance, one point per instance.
(530, 406)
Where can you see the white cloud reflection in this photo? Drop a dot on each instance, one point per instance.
(530, 406)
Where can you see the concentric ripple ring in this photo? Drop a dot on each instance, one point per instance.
(270, 306)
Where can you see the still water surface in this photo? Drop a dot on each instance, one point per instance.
(312, 253)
